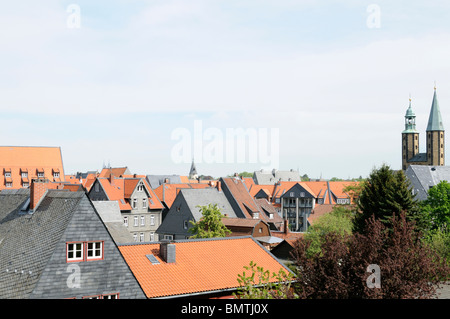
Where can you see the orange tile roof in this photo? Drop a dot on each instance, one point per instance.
(116, 171)
(120, 189)
(203, 265)
(18, 159)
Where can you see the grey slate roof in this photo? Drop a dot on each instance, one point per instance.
(420, 157)
(262, 177)
(203, 197)
(28, 239)
(157, 180)
(109, 212)
(33, 249)
(423, 177)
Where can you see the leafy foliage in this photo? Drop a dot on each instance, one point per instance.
(261, 284)
(210, 225)
(409, 268)
(340, 221)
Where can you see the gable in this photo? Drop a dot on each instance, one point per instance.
(297, 191)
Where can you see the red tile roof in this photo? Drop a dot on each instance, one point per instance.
(201, 265)
(18, 159)
(120, 189)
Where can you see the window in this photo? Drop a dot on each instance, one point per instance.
(302, 194)
(168, 237)
(152, 220)
(152, 236)
(55, 174)
(291, 194)
(136, 221)
(74, 252)
(140, 188)
(135, 236)
(134, 203)
(144, 203)
(141, 237)
(40, 174)
(142, 220)
(185, 224)
(111, 296)
(125, 221)
(7, 174)
(25, 184)
(8, 184)
(94, 250)
(97, 187)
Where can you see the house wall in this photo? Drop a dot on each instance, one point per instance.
(148, 220)
(174, 222)
(62, 279)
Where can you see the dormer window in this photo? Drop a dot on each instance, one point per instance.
(40, 173)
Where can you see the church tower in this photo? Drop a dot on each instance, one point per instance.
(434, 155)
(410, 138)
(435, 135)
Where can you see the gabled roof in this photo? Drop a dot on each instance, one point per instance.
(270, 177)
(201, 266)
(239, 193)
(168, 192)
(116, 171)
(28, 240)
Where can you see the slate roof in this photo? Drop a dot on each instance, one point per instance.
(28, 240)
(109, 212)
(423, 177)
(203, 197)
(266, 177)
(168, 192)
(157, 180)
(201, 266)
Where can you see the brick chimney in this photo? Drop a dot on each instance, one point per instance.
(218, 186)
(286, 226)
(167, 251)
(38, 189)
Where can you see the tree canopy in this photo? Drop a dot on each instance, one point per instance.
(385, 193)
(210, 225)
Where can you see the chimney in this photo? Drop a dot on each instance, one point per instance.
(167, 251)
(111, 179)
(286, 226)
(38, 189)
(219, 188)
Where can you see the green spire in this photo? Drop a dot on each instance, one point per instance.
(435, 119)
(410, 120)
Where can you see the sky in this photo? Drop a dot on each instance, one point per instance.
(321, 87)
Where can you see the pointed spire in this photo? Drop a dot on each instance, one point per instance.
(435, 119)
(193, 172)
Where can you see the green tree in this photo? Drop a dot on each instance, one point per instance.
(261, 284)
(210, 225)
(339, 220)
(385, 193)
(305, 178)
(435, 210)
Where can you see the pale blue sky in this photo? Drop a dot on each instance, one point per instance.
(118, 86)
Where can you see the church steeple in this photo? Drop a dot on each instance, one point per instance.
(435, 135)
(193, 172)
(435, 119)
(410, 120)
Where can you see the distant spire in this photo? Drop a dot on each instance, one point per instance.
(193, 172)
